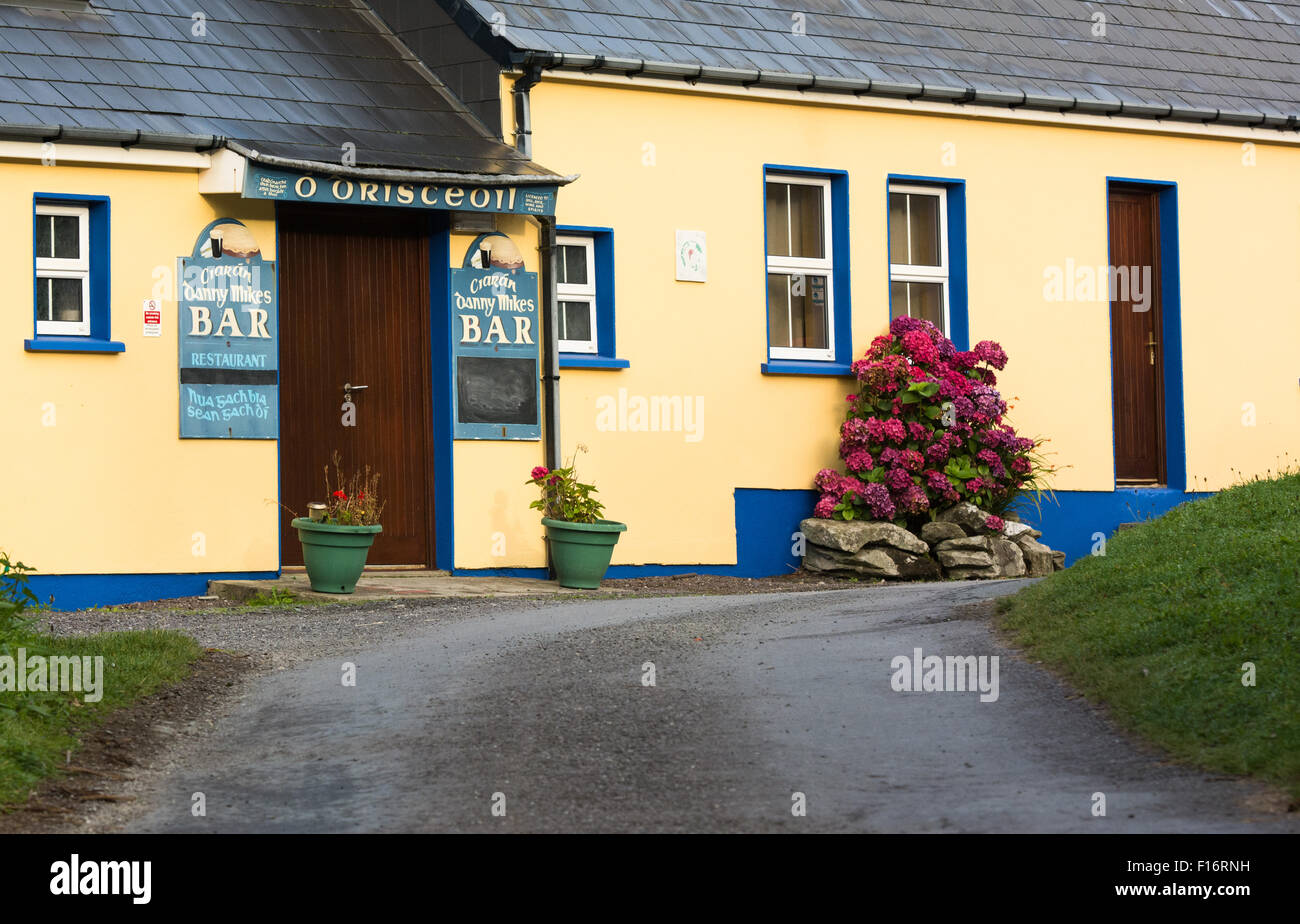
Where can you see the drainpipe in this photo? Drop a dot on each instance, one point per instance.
(550, 344)
(523, 129)
(531, 76)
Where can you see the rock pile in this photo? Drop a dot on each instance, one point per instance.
(957, 544)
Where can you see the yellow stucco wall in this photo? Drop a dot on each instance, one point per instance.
(96, 477)
(1036, 197)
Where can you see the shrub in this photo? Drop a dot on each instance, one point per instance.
(352, 499)
(925, 431)
(564, 497)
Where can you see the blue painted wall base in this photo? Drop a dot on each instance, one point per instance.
(1070, 523)
(78, 591)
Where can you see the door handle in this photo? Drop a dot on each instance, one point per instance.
(1151, 347)
(349, 388)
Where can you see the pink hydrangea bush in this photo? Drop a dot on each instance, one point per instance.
(925, 431)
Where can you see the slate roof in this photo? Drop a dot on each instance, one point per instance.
(293, 80)
(1235, 61)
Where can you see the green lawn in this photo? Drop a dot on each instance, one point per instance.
(37, 729)
(1160, 626)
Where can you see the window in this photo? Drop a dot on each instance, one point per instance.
(800, 268)
(62, 270)
(918, 254)
(584, 297)
(575, 292)
(70, 279)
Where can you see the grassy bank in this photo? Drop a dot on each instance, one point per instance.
(1161, 626)
(38, 728)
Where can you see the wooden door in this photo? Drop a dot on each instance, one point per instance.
(1137, 368)
(354, 308)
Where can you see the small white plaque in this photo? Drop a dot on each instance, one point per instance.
(692, 257)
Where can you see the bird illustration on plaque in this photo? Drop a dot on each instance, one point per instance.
(229, 347)
(496, 331)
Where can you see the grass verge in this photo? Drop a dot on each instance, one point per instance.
(1164, 627)
(37, 729)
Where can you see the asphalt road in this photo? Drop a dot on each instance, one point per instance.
(543, 712)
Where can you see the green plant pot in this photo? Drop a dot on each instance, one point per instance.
(334, 555)
(581, 551)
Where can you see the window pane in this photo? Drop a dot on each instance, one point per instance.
(66, 298)
(45, 236)
(796, 311)
(806, 239)
(42, 299)
(573, 265)
(575, 321)
(778, 218)
(914, 229)
(778, 309)
(67, 237)
(795, 221)
(922, 300)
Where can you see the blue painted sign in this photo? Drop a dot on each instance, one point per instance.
(495, 332)
(288, 186)
(229, 340)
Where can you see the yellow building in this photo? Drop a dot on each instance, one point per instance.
(1099, 197)
(252, 244)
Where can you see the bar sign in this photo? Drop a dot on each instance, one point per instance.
(152, 318)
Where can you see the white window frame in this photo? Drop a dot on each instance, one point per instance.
(571, 292)
(60, 268)
(805, 266)
(907, 272)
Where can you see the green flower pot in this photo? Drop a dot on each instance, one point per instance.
(334, 555)
(581, 551)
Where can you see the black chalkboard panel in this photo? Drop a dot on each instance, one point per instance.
(496, 390)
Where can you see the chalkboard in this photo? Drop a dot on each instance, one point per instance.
(496, 390)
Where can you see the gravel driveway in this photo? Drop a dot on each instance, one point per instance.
(538, 708)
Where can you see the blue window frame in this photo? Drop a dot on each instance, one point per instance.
(584, 306)
(70, 275)
(935, 285)
(808, 305)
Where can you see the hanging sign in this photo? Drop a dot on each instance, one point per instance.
(289, 186)
(228, 333)
(495, 334)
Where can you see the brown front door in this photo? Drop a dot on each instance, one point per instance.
(1136, 367)
(354, 308)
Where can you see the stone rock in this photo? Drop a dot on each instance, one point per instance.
(1038, 557)
(967, 516)
(935, 532)
(966, 544)
(1008, 557)
(852, 535)
(964, 559)
(871, 562)
(1011, 516)
(1058, 560)
(1014, 530)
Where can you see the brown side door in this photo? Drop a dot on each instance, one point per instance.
(354, 308)
(1137, 369)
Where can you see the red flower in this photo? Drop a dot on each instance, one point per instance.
(361, 495)
(540, 471)
(340, 495)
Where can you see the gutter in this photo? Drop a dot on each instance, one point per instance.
(397, 175)
(695, 73)
(127, 138)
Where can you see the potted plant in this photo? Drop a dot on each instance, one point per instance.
(337, 539)
(581, 542)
